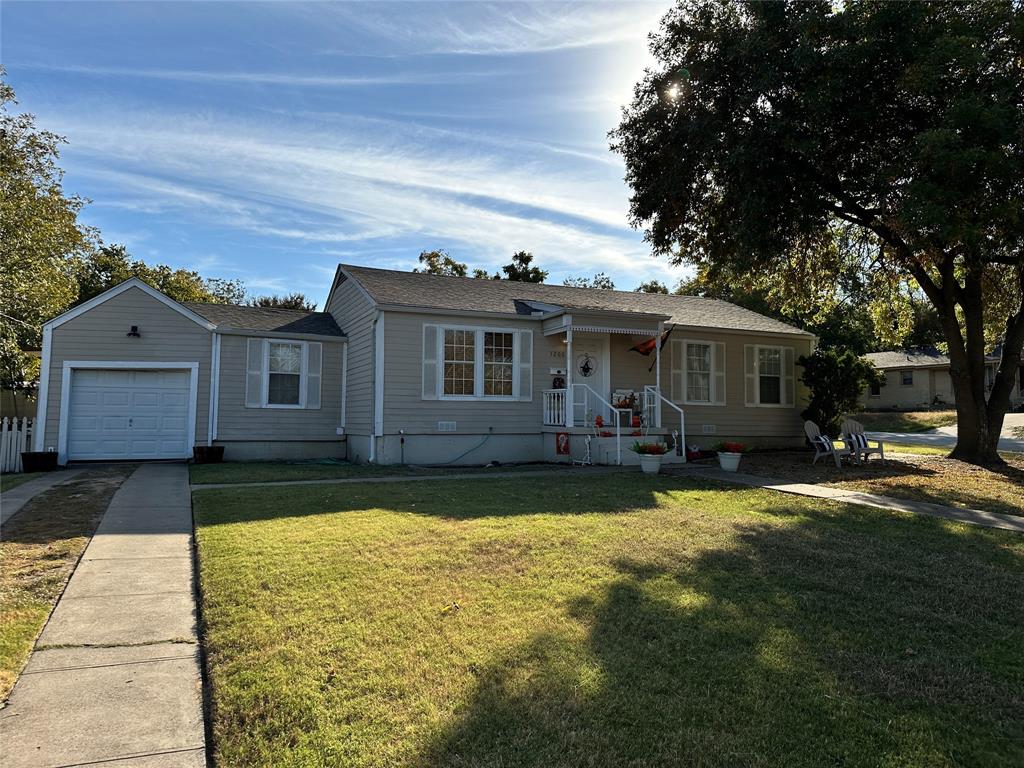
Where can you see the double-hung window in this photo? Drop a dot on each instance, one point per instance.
(459, 362)
(698, 372)
(769, 375)
(499, 364)
(464, 362)
(907, 378)
(284, 373)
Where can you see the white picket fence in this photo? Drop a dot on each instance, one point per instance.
(15, 437)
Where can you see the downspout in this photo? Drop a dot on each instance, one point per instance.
(378, 384)
(344, 389)
(211, 426)
(39, 427)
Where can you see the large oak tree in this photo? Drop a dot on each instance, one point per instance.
(765, 127)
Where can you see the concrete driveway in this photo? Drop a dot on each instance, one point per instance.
(945, 437)
(114, 678)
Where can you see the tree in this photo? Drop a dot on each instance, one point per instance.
(651, 286)
(600, 280)
(483, 274)
(110, 265)
(291, 301)
(40, 240)
(521, 269)
(440, 263)
(766, 128)
(836, 378)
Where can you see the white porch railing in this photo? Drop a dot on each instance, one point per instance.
(652, 405)
(15, 437)
(554, 407)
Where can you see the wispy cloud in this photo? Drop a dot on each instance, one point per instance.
(485, 29)
(269, 78)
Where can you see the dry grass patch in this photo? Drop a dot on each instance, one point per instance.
(612, 620)
(905, 421)
(41, 546)
(9, 481)
(921, 477)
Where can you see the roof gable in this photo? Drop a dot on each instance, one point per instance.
(117, 290)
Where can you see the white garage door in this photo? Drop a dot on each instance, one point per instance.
(128, 414)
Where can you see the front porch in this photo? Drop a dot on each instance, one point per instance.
(604, 389)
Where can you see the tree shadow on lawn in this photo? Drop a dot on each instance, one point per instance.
(450, 499)
(815, 643)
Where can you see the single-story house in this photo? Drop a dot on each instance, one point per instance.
(920, 378)
(417, 368)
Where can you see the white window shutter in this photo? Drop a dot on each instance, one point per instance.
(314, 367)
(788, 378)
(750, 374)
(431, 365)
(718, 386)
(525, 365)
(254, 373)
(676, 378)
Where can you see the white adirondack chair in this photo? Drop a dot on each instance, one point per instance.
(853, 433)
(824, 445)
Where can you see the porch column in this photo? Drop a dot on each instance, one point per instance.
(568, 377)
(657, 373)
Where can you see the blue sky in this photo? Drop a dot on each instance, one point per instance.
(270, 141)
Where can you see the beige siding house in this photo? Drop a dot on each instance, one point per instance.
(918, 378)
(417, 368)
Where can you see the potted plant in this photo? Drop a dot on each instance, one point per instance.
(729, 455)
(38, 461)
(650, 456)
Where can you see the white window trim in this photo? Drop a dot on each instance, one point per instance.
(711, 375)
(265, 393)
(478, 363)
(782, 377)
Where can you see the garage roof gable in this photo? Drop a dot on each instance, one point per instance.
(132, 282)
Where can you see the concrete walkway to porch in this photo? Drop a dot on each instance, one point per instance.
(115, 675)
(955, 514)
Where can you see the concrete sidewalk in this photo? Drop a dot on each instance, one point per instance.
(115, 676)
(956, 514)
(13, 500)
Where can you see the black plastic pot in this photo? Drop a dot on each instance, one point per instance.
(38, 461)
(208, 454)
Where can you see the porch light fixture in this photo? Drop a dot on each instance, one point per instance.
(134, 332)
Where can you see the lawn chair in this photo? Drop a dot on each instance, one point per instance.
(824, 445)
(853, 433)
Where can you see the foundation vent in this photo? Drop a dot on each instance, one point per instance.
(446, 426)
(709, 429)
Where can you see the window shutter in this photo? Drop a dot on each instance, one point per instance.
(314, 366)
(525, 365)
(431, 364)
(254, 373)
(676, 379)
(788, 383)
(750, 377)
(719, 373)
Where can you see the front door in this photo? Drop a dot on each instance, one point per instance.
(590, 366)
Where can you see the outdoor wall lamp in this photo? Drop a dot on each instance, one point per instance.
(134, 332)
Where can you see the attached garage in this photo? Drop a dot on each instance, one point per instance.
(129, 413)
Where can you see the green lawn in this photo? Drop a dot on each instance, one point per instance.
(604, 621)
(280, 471)
(8, 481)
(908, 421)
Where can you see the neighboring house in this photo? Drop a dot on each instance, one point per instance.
(417, 368)
(920, 379)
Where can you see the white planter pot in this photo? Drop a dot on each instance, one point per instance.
(730, 462)
(650, 463)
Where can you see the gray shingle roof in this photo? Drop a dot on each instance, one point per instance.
(416, 289)
(911, 358)
(266, 318)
